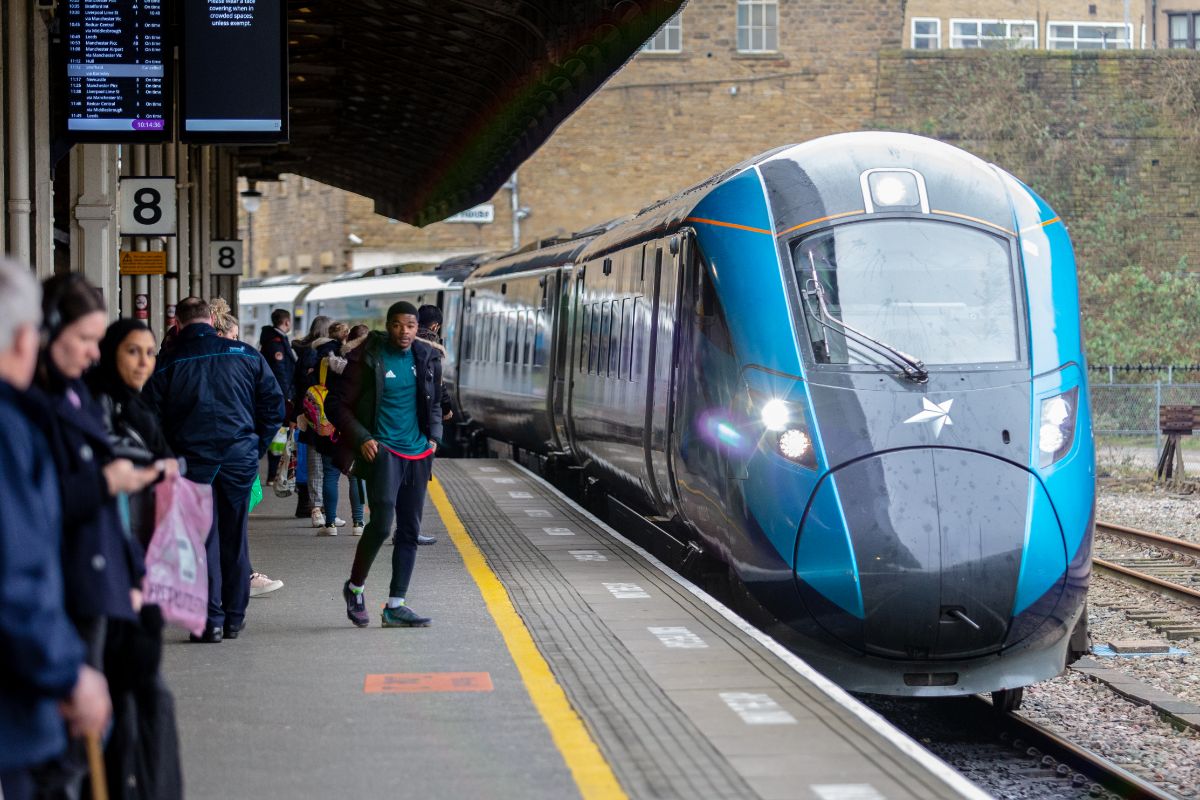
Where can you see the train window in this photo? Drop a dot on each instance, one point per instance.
(627, 334)
(539, 339)
(594, 342)
(605, 337)
(510, 338)
(641, 324)
(614, 350)
(941, 291)
(585, 335)
(527, 348)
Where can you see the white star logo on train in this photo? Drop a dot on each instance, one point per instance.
(937, 413)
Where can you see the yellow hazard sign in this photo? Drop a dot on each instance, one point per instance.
(143, 262)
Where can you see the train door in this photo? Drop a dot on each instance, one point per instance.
(661, 318)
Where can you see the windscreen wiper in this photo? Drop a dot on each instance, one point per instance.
(912, 367)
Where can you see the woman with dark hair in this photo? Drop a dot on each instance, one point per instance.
(143, 751)
(102, 564)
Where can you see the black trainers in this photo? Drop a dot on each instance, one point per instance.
(423, 539)
(210, 636)
(232, 631)
(404, 617)
(356, 606)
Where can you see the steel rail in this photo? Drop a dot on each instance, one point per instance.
(1146, 537)
(1174, 590)
(1112, 777)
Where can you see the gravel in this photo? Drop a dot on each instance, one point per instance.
(1150, 508)
(1091, 714)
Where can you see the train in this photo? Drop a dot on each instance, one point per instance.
(850, 370)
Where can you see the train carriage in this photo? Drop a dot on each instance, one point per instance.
(852, 370)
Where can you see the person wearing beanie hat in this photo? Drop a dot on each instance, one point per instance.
(388, 410)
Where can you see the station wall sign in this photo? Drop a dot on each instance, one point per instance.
(233, 81)
(225, 257)
(147, 207)
(143, 262)
(480, 215)
(114, 62)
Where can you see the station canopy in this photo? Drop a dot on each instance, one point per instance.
(427, 106)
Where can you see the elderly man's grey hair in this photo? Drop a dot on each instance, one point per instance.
(20, 300)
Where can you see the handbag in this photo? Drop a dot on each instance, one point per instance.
(176, 562)
(285, 474)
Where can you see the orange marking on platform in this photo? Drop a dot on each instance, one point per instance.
(727, 225)
(417, 682)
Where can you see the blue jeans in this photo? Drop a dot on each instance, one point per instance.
(323, 483)
(358, 498)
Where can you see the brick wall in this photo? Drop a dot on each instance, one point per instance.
(1110, 138)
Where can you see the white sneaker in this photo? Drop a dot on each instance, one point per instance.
(338, 522)
(318, 518)
(327, 530)
(261, 584)
(357, 530)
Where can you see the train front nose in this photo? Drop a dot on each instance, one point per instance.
(937, 537)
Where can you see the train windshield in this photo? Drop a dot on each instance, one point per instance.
(940, 292)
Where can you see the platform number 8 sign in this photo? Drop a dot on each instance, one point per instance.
(148, 207)
(225, 257)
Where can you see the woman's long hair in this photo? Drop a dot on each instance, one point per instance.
(317, 329)
(104, 376)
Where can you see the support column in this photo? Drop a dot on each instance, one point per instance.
(94, 240)
(206, 219)
(196, 265)
(43, 186)
(175, 244)
(20, 206)
(154, 283)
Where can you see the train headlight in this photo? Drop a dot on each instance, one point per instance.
(794, 445)
(776, 415)
(1056, 433)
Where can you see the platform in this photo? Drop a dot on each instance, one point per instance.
(562, 662)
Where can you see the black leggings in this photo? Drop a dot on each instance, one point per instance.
(396, 490)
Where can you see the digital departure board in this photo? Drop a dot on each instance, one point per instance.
(233, 86)
(118, 78)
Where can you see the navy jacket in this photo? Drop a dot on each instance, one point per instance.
(219, 403)
(353, 400)
(100, 560)
(277, 350)
(41, 652)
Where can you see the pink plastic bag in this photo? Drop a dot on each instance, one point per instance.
(176, 564)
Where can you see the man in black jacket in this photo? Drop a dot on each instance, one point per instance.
(220, 406)
(277, 350)
(388, 410)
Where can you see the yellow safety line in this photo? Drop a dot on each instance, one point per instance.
(593, 776)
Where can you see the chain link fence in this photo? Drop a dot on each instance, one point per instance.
(1126, 399)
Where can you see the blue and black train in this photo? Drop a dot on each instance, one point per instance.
(852, 371)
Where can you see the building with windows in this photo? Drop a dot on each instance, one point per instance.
(1053, 25)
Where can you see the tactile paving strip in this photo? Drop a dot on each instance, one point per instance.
(652, 745)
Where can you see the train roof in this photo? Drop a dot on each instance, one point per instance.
(530, 260)
(828, 169)
(281, 293)
(385, 284)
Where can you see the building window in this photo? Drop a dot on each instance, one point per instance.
(993, 34)
(926, 33)
(1181, 31)
(1089, 36)
(669, 38)
(758, 26)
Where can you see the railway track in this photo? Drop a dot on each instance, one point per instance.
(1171, 567)
(1011, 756)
